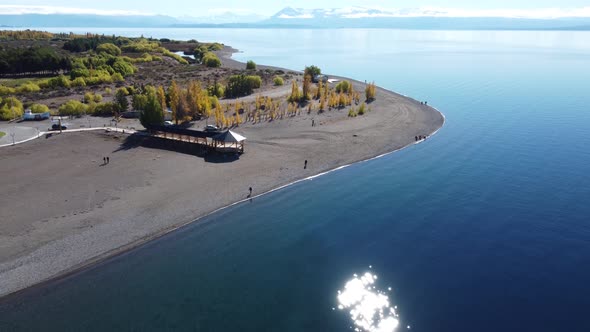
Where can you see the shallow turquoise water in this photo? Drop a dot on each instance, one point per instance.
(482, 228)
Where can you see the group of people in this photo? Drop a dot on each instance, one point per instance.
(106, 160)
(423, 103)
(420, 137)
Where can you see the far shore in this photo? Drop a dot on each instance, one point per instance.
(63, 209)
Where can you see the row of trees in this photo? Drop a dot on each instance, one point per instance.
(92, 42)
(34, 60)
(25, 35)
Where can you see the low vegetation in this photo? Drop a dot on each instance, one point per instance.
(370, 92)
(10, 108)
(211, 60)
(250, 65)
(242, 85)
(278, 81)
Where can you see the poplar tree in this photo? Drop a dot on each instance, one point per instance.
(306, 87)
(174, 96)
(161, 96)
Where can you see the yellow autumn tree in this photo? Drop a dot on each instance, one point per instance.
(161, 95)
(174, 95)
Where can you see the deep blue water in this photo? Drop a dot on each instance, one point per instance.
(484, 227)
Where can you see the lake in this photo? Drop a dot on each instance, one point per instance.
(484, 227)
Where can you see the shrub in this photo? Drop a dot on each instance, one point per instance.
(39, 108)
(28, 87)
(241, 85)
(78, 82)
(343, 86)
(79, 72)
(351, 113)
(108, 48)
(73, 108)
(10, 107)
(278, 81)
(370, 91)
(255, 81)
(4, 90)
(141, 46)
(117, 77)
(88, 97)
(215, 47)
(200, 52)
(362, 109)
(216, 90)
(108, 91)
(59, 81)
(211, 60)
(123, 67)
(174, 56)
(105, 109)
(251, 65)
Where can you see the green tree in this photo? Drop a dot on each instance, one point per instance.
(312, 71)
(153, 113)
(251, 65)
(121, 100)
(139, 102)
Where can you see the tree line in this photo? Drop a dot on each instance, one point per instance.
(34, 60)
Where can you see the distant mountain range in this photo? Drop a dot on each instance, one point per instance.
(353, 17)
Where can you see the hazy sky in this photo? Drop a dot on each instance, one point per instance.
(266, 7)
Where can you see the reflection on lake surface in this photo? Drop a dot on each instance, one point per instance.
(368, 306)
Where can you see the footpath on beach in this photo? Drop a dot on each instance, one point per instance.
(38, 134)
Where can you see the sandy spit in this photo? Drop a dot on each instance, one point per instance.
(62, 209)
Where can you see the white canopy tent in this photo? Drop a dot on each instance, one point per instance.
(229, 140)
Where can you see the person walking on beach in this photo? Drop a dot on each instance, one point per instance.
(104, 160)
(108, 160)
(312, 122)
(305, 166)
(250, 191)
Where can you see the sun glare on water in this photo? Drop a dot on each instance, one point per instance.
(369, 308)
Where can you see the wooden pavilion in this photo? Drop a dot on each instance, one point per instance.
(228, 140)
(224, 141)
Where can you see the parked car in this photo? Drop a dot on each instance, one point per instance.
(168, 123)
(211, 128)
(55, 126)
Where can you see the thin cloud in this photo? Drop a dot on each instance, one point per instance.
(542, 13)
(47, 10)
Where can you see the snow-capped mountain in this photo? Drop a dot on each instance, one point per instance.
(362, 12)
(432, 18)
